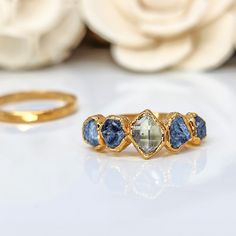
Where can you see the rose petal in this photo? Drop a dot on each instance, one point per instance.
(214, 45)
(156, 58)
(7, 10)
(15, 51)
(57, 44)
(216, 9)
(174, 27)
(104, 19)
(39, 16)
(20, 50)
(167, 5)
(140, 14)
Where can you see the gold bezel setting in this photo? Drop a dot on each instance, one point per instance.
(148, 140)
(170, 119)
(99, 120)
(125, 125)
(150, 114)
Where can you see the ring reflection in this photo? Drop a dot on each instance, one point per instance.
(148, 179)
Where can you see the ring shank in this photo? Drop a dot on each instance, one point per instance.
(68, 108)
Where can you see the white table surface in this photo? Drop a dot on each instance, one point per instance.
(53, 184)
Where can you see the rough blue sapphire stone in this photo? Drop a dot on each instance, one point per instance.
(179, 133)
(201, 127)
(91, 133)
(112, 133)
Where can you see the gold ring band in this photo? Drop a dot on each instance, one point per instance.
(28, 117)
(148, 131)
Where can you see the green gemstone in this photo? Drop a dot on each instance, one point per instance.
(147, 134)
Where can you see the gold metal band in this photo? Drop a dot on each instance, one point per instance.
(28, 117)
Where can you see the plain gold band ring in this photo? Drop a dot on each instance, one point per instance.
(27, 117)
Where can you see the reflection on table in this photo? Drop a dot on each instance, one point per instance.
(148, 179)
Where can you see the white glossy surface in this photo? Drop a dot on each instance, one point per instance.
(53, 184)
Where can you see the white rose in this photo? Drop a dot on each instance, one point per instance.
(151, 35)
(36, 33)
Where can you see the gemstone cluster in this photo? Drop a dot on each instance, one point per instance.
(148, 131)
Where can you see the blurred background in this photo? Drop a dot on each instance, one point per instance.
(118, 57)
(144, 35)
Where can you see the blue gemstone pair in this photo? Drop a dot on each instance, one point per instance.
(179, 132)
(112, 133)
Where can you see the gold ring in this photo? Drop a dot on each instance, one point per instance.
(66, 109)
(149, 132)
